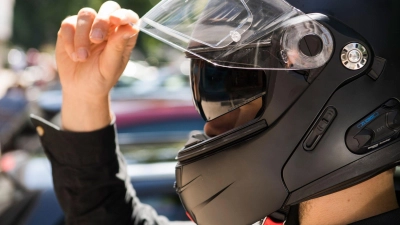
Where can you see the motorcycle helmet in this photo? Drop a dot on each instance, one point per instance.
(322, 81)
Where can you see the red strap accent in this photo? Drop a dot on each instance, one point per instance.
(188, 215)
(268, 221)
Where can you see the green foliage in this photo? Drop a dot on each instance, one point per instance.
(36, 22)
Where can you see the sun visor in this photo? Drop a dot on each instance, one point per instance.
(238, 34)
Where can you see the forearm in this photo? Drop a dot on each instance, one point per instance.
(81, 113)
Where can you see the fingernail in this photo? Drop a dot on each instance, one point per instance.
(97, 34)
(82, 54)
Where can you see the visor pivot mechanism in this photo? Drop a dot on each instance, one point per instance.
(354, 56)
(235, 36)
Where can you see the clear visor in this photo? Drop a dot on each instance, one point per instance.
(259, 34)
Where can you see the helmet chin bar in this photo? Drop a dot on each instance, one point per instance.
(256, 170)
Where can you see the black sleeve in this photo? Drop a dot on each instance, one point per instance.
(90, 178)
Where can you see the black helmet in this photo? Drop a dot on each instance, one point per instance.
(321, 128)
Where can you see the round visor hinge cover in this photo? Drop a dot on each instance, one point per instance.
(354, 56)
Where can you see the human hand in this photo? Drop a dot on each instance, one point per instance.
(92, 51)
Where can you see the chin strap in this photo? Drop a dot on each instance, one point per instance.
(269, 221)
(277, 218)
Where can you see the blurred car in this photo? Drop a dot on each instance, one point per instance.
(156, 121)
(14, 111)
(152, 106)
(150, 84)
(32, 201)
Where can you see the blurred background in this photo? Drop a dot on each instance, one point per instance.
(152, 103)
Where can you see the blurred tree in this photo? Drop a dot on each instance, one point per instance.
(36, 22)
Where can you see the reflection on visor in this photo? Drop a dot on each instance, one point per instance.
(219, 90)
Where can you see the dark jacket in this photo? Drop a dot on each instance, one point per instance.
(93, 187)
